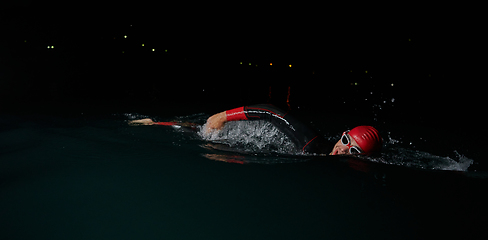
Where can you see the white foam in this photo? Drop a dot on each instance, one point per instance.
(251, 136)
(424, 160)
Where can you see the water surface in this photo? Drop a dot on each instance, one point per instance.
(95, 177)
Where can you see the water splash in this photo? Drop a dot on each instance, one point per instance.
(423, 160)
(252, 137)
(132, 116)
(395, 153)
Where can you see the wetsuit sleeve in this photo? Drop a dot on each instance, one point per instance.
(236, 114)
(301, 135)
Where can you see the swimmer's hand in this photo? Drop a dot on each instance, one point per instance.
(145, 121)
(216, 122)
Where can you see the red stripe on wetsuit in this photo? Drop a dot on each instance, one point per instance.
(236, 114)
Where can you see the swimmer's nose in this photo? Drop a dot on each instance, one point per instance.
(342, 149)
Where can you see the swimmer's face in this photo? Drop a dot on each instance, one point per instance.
(341, 148)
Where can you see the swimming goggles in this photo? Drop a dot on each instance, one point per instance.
(347, 142)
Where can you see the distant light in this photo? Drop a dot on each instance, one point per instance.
(366, 71)
(392, 84)
(25, 40)
(355, 83)
(249, 64)
(123, 51)
(165, 50)
(289, 65)
(240, 63)
(143, 44)
(409, 39)
(52, 46)
(153, 49)
(125, 36)
(48, 46)
(271, 64)
(256, 65)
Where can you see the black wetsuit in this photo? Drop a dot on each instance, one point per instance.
(302, 136)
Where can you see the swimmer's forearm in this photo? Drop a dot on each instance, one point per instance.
(216, 121)
(145, 121)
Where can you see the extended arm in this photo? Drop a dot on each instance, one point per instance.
(148, 121)
(145, 121)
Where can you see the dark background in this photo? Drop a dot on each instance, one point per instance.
(344, 57)
(423, 51)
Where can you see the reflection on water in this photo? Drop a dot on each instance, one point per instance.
(221, 151)
(226, 158)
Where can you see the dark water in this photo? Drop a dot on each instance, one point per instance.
(95, 177)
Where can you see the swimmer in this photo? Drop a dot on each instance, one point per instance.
(364, 140)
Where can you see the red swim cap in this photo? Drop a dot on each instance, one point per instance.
(368, 138)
